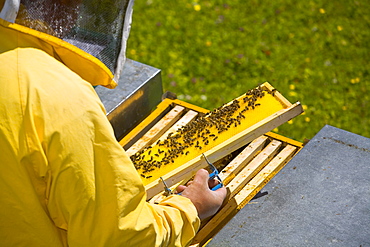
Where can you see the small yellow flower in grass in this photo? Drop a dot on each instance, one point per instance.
(322, 11)
(208, 43)
(132, 52)
(290, 122)
(197, 7)
(340, 28)
(307, 59)
(292, 93)
(307, 119)
(355, 80)
(344, 108)
(304, 107)
(291, 86)
(276, 130)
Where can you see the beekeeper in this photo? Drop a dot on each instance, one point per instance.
(64, 179)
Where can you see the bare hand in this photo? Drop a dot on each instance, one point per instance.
(206, 201)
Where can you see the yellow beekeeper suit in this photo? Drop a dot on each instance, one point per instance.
(64, 180)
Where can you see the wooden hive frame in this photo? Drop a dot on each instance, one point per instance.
(245, 176)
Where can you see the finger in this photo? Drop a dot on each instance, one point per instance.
(212, 183)
(189, 183)
(180, 189)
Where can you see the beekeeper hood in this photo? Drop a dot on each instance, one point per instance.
(98, 27)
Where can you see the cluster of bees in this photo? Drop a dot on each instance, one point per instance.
(197, 134)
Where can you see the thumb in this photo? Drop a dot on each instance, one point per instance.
(201, 178)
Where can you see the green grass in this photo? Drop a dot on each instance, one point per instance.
(315, 52)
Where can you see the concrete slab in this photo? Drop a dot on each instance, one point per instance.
(320, 198)
(139, 91)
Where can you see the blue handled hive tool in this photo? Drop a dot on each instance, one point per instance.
(167, 190)
(214, 174)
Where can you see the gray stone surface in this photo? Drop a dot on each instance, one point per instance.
(138, 92)
(320, 198)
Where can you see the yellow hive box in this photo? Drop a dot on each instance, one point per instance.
(176, 156)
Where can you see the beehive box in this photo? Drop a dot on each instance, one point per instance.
(172, 146)
(232, 136)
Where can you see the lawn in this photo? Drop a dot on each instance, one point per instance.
(315, 52)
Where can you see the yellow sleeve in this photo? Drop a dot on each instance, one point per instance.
(94, 191)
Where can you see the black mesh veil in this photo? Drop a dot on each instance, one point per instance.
(99, 27)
